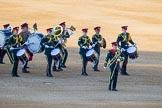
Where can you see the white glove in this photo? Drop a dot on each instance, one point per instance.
(93, 45)
(59, 41)
(46, 46)
(62, 41)
(26, 43)
(122, 49)
(100, 42)
(118, 60)
(71, 33)
(84, 47)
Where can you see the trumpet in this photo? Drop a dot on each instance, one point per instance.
(72, 28)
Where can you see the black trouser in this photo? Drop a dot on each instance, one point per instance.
(65, 55)
(9, 55)
(15, 63)
(49, 63)
(84, 63)
(3, 52)
(97, 62)
(97, 49)
(124, 66)
(113, 78)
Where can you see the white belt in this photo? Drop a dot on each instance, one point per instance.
(46, 46)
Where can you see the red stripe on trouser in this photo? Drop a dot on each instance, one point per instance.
(30, 56)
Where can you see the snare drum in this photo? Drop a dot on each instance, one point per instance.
(56, 54)
(34, 43)
(23, 56)
(132, 52)
(91, 55)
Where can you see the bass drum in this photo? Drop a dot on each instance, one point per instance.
(4, 35)
(34, 43)
(7, 33)
(2, 39)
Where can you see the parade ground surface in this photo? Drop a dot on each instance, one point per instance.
(68, 89)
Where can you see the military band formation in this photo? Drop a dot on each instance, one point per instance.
(20, 48)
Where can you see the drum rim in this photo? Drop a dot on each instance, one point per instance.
(56, 50)
(129, 50)
(19, 52)
(89, 51)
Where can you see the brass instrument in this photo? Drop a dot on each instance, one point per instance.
(57, 31)
(72, 28)
(117, 56)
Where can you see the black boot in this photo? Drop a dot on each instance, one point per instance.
(63, 65)
(60, 69)
(114, 89)
(25, 71)
(49, 74)
(54, 68)
(1, 61)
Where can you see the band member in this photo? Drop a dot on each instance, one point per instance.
(84, 42)
(97, 40)
(25, 33)
(5, 48)
(123, 41)
(65, 35)
(49, 42)
(115, 57)
(15, 42)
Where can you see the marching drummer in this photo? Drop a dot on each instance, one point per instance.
(49, 42)
(123, 41)
(25, 33)
(3, 50)
(84, 42)
(15, 41)
(115, 56)
(97, 40)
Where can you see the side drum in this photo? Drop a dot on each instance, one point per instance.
(132, 52)
(56, 54)
(91, 55)
(22, 56)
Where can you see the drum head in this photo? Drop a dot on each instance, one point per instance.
(54, 52)
(90, 52)
(131, 49)
(34, 42)
(2, 39)
(20, 52)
